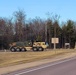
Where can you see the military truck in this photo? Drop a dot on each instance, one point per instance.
(39, 46)
(24, 46)
(20, 46)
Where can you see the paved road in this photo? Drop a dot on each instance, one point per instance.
(63, 67)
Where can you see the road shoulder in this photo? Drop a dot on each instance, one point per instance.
(36, 63)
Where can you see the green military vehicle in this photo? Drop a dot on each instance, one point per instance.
(20, 46)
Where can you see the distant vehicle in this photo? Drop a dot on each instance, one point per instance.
(24, 46)
(20, 46)
(39, 46)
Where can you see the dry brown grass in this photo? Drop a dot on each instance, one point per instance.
(13, 58)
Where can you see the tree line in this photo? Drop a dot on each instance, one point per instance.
(18, 28)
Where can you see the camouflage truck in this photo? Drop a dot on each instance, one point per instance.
(24, 46)
(39, 46)
(20, 46)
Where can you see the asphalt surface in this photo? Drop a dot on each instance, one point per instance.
(63, 67)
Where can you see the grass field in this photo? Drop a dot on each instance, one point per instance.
(13, 58)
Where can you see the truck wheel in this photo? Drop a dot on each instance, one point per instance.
(12, 49)
(34, 49)
(17, 49)
(40, 49)
(23, 49)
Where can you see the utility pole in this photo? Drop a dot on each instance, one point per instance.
(55, 36)
(45, 31)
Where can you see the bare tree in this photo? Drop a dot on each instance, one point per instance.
(38, 29)
(19, 24)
